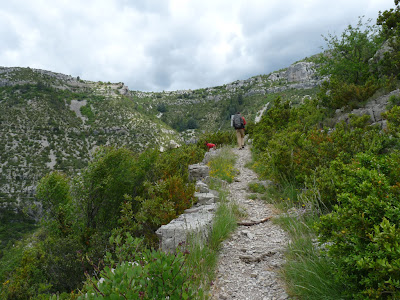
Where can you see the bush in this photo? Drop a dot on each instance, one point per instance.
(119, 192)
(176, 162)
(220, 138)
(349, 55)
(161, 107)
(163, 201)
(338, 94)
(393, 117)
(53, 192)
(256, 187)
(151, 275)
(363, 231)
(28, 279)
(393, 101)
(100, 190)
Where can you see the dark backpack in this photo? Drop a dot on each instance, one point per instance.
(238, 122)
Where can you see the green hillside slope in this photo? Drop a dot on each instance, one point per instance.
(51, 121)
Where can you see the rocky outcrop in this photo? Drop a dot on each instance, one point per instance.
(301, 75)
(302, 71)
(198, 172)
(298, 72)
(195, 221)
(374, 108)
(385, 48)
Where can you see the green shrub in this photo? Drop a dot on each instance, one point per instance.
(163, 201)
(53, 192)
(276, 119)
(349, 54)
(363, 231)
(99, 191)
(346, 95)
(220, 138)
(87, 112)
(256, 187)
(150, 275)
(176, 162)
(393, 118)
(393, 100)
(28, 279)
(118, 192)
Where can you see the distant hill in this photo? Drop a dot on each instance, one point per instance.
(51, 121)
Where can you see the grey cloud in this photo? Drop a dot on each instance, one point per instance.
(153, 46)
(151, 6)
(9, 37)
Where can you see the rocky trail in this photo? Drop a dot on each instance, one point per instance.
(250, 260)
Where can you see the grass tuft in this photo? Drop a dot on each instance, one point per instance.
(308, 272)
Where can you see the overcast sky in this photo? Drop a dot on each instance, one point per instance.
(156, 45)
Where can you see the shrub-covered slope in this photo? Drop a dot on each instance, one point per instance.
(52, 121)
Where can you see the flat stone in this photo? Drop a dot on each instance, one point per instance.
(205, 198)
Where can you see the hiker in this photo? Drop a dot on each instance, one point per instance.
(211, 146)
(239, 123)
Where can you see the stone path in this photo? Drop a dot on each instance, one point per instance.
(250, 259)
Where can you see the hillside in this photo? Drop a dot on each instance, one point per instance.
(51, 121)
(215, 105)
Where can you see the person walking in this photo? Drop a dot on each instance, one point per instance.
(239, 124)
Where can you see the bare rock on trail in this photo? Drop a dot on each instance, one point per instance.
(250, 260)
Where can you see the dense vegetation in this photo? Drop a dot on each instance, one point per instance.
(44, 128)
(105, 217)
(343, 180)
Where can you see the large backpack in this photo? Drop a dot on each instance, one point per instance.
(238, 122)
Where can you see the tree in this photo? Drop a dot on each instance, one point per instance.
(161, 107)
(240, 99)
(192, 124)
(390, 20)
(348, 55)
(101, 189)
(53, 192)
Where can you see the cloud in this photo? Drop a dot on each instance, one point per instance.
(157, 45)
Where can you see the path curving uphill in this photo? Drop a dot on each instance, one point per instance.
(251, 258)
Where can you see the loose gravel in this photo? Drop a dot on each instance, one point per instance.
(250, 260)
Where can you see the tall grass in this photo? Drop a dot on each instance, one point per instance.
(308, 272)
(282, 197)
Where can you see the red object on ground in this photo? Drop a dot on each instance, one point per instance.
(209, 145)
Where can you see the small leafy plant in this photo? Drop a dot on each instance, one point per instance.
(152, 275)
